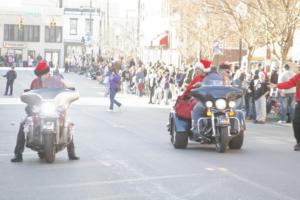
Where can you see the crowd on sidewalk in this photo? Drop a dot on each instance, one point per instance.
(162, 84)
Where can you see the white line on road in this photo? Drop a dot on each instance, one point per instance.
(11, 154)
(266, 189)
(130, 180)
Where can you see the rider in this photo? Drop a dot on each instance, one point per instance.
(222, 74)
(201, 68)
(43, 80)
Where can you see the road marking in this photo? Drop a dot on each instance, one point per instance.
(266, 189)
(11, 154)
(105, 163)
(210, 169)
(130, 180)
(222, 169)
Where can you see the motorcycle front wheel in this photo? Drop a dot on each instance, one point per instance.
(222, 139)
(49, 148)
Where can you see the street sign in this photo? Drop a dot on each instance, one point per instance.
(218, 48)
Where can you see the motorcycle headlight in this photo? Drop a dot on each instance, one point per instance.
(48, 108)
(209, 104)
(221, 104)
(231, 104)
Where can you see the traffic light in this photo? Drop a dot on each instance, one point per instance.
(52, 23)
(21, 23)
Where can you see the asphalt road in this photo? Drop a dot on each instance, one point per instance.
(127, 155)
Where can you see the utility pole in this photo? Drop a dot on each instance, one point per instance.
(90, 34)
(240, 52)
(107, 21)
(90, 17)
(138, 26)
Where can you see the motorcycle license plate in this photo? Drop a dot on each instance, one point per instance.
(223, 121)
(48, 126)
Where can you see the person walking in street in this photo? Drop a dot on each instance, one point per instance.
(10, 76)
(293, 82)
(114, 87)
(286, 97)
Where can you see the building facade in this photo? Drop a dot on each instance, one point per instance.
(158, 34)
(82, 35)
(27, 33)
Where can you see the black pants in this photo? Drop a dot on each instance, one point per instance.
(9, 85)
(19, 149)
(296, 122)
(152, 90)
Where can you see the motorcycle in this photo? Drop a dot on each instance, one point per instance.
(222, 123)
(47, 128)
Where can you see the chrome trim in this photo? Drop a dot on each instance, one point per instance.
(213, 124)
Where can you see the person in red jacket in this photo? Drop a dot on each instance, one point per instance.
(201, 68)
(43, 80)
(293, 82)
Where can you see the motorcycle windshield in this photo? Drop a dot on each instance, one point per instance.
(213, 79)
(212, 93)
(62, 97)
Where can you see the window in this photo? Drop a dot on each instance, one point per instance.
(28, 33)
(88, 27)
(53, 34)
(73, 26)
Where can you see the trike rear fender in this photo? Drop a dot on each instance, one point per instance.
(181, 125)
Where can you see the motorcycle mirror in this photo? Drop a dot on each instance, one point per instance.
(72, 88)
(26, 90)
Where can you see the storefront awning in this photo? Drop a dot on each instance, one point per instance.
(162, 40)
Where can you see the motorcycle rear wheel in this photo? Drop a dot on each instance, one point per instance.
(237, 142)
(179, 140)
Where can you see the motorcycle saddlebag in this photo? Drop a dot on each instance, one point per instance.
(184, 106)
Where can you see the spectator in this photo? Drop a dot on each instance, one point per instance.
(152, 84)
(166, 86)
(286, 97)
(140, 85)
(261, 90)
(126, 80)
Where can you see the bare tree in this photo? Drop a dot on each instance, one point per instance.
(280, 18)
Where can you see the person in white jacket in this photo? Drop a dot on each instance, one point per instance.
(286, 97)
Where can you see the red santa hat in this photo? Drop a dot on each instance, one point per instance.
(41, 68)
(205, 64)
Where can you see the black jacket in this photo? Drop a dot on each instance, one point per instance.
(11, 75)
(260, 89)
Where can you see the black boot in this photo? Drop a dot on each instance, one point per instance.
(17, 158)
(71, 151)
(73, 157)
